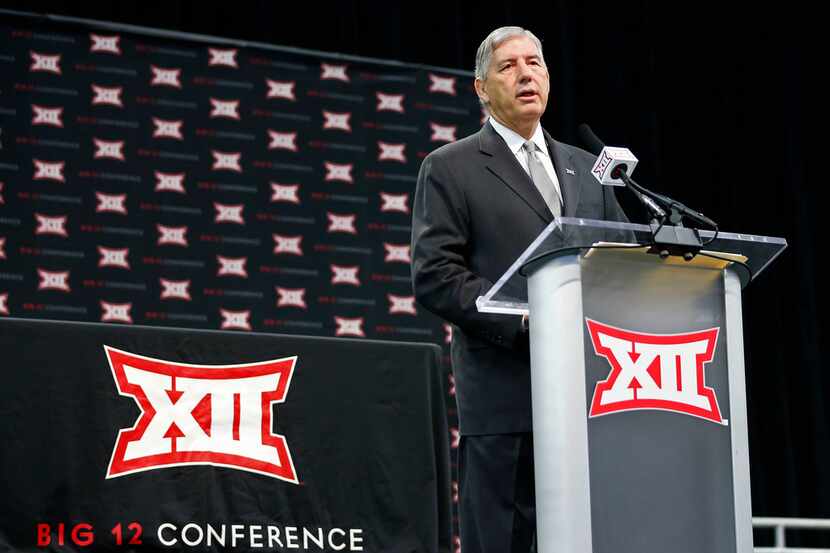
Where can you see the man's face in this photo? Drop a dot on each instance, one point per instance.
(516, 85)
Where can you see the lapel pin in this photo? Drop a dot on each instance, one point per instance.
(570, 171)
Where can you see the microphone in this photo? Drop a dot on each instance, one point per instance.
(611, 162)
(614, 167)
(666, 241)
(617, 169)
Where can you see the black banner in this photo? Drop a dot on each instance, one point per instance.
(135, 438)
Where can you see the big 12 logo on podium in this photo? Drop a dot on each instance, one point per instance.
(654, 371)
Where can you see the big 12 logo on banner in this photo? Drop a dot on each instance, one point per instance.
(201, 415)
(654, 371)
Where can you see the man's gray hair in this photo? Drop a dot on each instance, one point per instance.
(485, 51)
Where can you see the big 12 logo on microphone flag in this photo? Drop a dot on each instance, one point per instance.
(654, 371)
(201, 415)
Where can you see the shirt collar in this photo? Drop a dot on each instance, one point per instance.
(515, 141)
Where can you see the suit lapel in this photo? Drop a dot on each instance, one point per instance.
(504, 165)
(567, 173)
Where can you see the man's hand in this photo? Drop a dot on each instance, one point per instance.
(525, 322)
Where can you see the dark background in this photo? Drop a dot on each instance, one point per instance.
(720, 102)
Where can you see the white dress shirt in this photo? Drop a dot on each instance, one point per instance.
(515, 141)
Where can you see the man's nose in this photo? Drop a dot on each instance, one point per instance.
(524, 71)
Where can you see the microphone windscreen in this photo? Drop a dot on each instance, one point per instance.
(592, 143)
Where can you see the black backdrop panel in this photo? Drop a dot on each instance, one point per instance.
(163, 181)
(364, 422)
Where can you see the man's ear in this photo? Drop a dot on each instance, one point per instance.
(481, 90)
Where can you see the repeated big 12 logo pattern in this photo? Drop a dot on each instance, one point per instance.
(169, 182)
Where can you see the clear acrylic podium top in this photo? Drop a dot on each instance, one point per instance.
(752, 254)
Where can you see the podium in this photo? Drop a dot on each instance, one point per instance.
(639, 401)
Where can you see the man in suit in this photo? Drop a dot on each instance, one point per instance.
(479, 203)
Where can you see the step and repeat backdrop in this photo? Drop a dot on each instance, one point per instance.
(153, 179)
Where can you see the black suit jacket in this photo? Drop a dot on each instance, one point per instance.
(475, 211)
